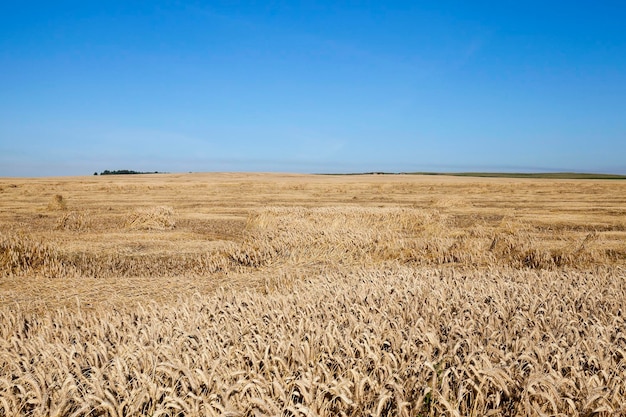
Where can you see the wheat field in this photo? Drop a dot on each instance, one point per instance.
(294, 295)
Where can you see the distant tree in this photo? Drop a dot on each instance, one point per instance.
(125, 172)
(95, 173)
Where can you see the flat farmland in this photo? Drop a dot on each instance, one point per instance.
(281, 294)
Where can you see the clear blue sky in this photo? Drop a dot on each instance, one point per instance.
(322, 86)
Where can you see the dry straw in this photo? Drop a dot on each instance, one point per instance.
(155, 218)
(367, 236)
(58, 202)
(74, 221)
(21, 255)
(300, 237)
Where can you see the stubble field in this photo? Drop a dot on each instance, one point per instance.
(268, 294)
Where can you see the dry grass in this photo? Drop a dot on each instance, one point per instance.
(227, 294)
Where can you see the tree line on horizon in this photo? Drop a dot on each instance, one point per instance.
(123, 172)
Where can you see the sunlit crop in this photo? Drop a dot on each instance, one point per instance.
(312, 297)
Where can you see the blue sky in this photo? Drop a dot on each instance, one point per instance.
(320, 86)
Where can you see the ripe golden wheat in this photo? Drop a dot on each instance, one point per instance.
(385, 343)
(338, 296)
(299, 236)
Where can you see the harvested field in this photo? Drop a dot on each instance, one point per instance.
(268, 294)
